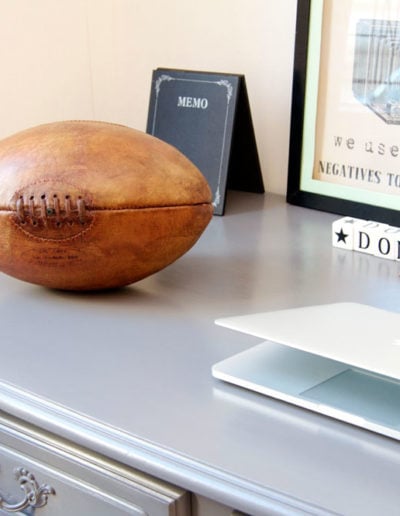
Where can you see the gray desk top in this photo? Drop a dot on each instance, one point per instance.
(127, 373)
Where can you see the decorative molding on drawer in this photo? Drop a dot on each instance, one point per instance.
(36, 495)
(81, 477)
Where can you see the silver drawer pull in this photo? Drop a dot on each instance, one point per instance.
(35, 496)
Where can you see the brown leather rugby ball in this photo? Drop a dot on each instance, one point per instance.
(92, 205)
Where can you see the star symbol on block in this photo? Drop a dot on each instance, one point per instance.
(341, 236)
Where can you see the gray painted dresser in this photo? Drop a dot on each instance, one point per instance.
(107, 402)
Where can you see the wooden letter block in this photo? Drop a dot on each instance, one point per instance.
(388, 245)
(367, 236)
(343, 232)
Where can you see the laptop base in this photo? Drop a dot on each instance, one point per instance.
(316, 383)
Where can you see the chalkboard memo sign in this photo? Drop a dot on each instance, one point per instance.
(207, 117)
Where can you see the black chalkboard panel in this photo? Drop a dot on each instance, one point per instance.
(207, 117)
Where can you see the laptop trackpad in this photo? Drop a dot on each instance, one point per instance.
(366, 395)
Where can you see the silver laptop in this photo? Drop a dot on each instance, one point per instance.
(341, 360)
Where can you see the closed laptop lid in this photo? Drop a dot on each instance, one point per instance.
(356, 334)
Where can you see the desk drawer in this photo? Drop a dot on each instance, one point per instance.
(74, 481)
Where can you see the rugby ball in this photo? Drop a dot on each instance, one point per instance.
(90, 205)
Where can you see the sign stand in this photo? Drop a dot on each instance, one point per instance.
(207, 117)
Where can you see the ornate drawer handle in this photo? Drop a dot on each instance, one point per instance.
(35, 496)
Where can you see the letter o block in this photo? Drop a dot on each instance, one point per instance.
(388, 245)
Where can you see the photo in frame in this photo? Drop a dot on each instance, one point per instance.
(345, 122)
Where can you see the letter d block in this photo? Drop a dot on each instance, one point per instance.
(367, 236)
(343, 232)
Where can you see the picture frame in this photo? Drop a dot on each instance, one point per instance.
(344, 152)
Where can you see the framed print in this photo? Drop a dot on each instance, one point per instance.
(345, 124)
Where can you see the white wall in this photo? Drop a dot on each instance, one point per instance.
(93, 59)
